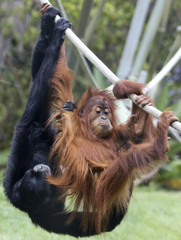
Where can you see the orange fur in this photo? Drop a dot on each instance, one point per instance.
(61, 82)
(98, 172)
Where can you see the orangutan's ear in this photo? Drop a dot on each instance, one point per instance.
(87, 95)
(81, 112)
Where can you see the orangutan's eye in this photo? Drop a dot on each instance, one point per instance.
(106, 111)
(98, 110)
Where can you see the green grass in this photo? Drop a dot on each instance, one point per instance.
(3, 160)
(153, 215)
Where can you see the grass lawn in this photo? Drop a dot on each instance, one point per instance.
(152, 215)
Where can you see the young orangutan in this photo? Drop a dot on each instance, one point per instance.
(84, 153)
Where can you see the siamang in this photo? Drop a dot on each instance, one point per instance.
(80, 150)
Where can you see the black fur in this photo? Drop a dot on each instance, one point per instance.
(25, 183)
(69, 106)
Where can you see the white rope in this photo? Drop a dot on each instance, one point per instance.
(105, 70)
(165, 70)
(156, 113)
(45, 1)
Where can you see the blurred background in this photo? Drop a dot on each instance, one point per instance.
(135, 39)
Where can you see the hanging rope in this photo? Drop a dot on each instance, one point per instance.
(166, 69)
(106, 71)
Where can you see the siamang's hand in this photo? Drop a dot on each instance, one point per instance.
(34, 188)
(42, 168)
(48, 21)
(69, 106)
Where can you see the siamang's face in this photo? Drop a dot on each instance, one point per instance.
(100, 117)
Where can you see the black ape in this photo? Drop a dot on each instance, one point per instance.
(25, 182)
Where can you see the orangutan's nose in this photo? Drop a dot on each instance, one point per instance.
(104, 117)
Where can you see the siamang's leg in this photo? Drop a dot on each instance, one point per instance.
(24, 186)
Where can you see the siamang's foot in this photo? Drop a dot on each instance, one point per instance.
(42, 168)
(48, 20)
(62, 24)
(69, 106)
(58, 35)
